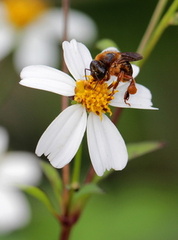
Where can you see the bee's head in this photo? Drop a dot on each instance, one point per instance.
(98, 69)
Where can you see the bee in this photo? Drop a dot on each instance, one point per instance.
(115, 63)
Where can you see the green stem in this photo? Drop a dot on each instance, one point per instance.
(151, 26)
(158, 31)
(68, 219)
(76, 170)
(65, 233)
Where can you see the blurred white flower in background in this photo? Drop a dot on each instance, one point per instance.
(16, 168)
(35, 31)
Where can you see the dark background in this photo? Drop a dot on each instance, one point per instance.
(140, 202)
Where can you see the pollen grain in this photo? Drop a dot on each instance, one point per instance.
(94, 95)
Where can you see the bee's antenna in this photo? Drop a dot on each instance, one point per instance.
(86, 72)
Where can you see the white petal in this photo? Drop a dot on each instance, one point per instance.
(112, 49)
(62, 138)
(7, 33)
(136, 70)
(49, 79)
(106, 146)
(81, 27)
(50, 25)
(41, 39)
(7, 40)
(20, 168)
(4, 140)
(77, 58)
(142, 98)
(35, 50)
(14, 210)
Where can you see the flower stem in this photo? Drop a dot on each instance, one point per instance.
(151, 26)
(65, 233)
(116, 115)
(68, 219)
(90, 176)
(65, 7)
(164, 22)
(64, 104)
(76, 172)
(65, 229)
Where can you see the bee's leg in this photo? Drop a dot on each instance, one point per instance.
(130, 90)
(120, 78)
(126, 97)
(99, 82)
(96, 85)
(132, 87)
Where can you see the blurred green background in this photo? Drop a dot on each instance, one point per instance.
(141, 202)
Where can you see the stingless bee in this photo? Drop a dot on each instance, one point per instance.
(115, 63)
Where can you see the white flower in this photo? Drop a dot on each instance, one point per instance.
(62, 138)
(35, 32)
(16, 168)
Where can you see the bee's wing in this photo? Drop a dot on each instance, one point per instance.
(129, 57)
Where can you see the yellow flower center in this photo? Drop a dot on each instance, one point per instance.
(22, 12)
(94, 95)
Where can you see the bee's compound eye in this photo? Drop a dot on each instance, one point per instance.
(98, 69)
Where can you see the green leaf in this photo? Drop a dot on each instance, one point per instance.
(41, 196)
(53, 176)
(80, 197)
(105, 43)
(88, 189)
(138, 149)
